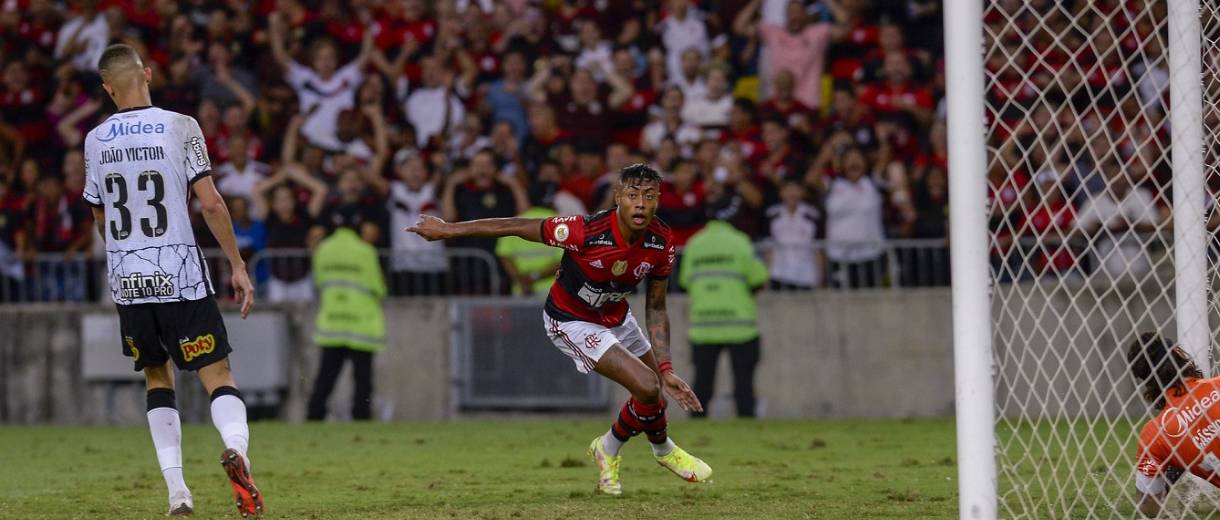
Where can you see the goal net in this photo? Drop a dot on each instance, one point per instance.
(1090, 246)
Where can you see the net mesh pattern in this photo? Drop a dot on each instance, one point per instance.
(1081, 237)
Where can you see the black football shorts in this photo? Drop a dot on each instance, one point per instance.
(191, 332)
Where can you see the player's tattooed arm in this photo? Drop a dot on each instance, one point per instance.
(657, 318)
(433, 228)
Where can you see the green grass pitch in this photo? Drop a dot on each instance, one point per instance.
(494, 469)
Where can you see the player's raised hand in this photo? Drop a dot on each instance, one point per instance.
(244, 290)
(431, 228)
(679, 391)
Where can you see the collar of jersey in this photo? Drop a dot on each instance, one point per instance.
(133, 109)
(618, 233)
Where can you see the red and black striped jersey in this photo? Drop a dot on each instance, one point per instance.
(600, 269)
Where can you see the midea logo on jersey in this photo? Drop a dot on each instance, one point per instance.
(139, 285)
(121, 128)
(1177, 420)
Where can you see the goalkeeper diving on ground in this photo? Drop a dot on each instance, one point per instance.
(1181, 437)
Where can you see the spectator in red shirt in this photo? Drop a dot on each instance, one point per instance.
(407, 20)
(181, 92)
(897, 95)
(892, 41)
(682, 203)
(782, 159)
(22, 103)
(580, 181)
(1049, 219)
(35, 31)
(853, 35)
(784, 105)
(545, 133)
(849, 115)
(936, 155)
(743, 132)
(630, 117)
(583, 110)
(58, 223)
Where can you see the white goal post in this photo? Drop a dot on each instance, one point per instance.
(1084, 137)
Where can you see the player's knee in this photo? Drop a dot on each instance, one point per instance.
(216, 375)
(158, 377)
(649, 390)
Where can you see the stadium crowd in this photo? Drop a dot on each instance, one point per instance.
(1080, 176)
(796, 121)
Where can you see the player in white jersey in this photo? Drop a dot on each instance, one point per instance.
(141, 165)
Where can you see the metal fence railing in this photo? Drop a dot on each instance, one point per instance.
(857, 265)
(283, 274)
(280, 275)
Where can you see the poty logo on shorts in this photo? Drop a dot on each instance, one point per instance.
(193, 349)
(131, 346)
(642, 269)
(592, 342)
(122, 128)
(1175, 422)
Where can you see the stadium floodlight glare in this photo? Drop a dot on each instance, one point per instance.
(1074, 229)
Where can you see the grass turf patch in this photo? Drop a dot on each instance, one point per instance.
(493, 469)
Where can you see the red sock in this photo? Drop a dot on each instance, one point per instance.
(636, 417)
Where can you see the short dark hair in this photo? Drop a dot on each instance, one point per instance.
(115, 54)
(638, 173)
(1159, 367)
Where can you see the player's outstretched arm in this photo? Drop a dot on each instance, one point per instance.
(433, 228)
(657, 319)
(216, 214)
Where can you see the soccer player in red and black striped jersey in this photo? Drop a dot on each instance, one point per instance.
(588, 319)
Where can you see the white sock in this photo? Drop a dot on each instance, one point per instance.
(611, 444)
(166, 430)
(229, 417)
(663, 449)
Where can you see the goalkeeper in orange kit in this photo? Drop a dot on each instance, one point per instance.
(1182, 436)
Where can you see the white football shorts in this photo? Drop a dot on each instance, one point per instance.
(586, 342)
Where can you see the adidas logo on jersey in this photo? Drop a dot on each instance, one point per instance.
(139, 285)
(597, 263)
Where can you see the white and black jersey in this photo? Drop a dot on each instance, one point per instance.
(139, 167)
